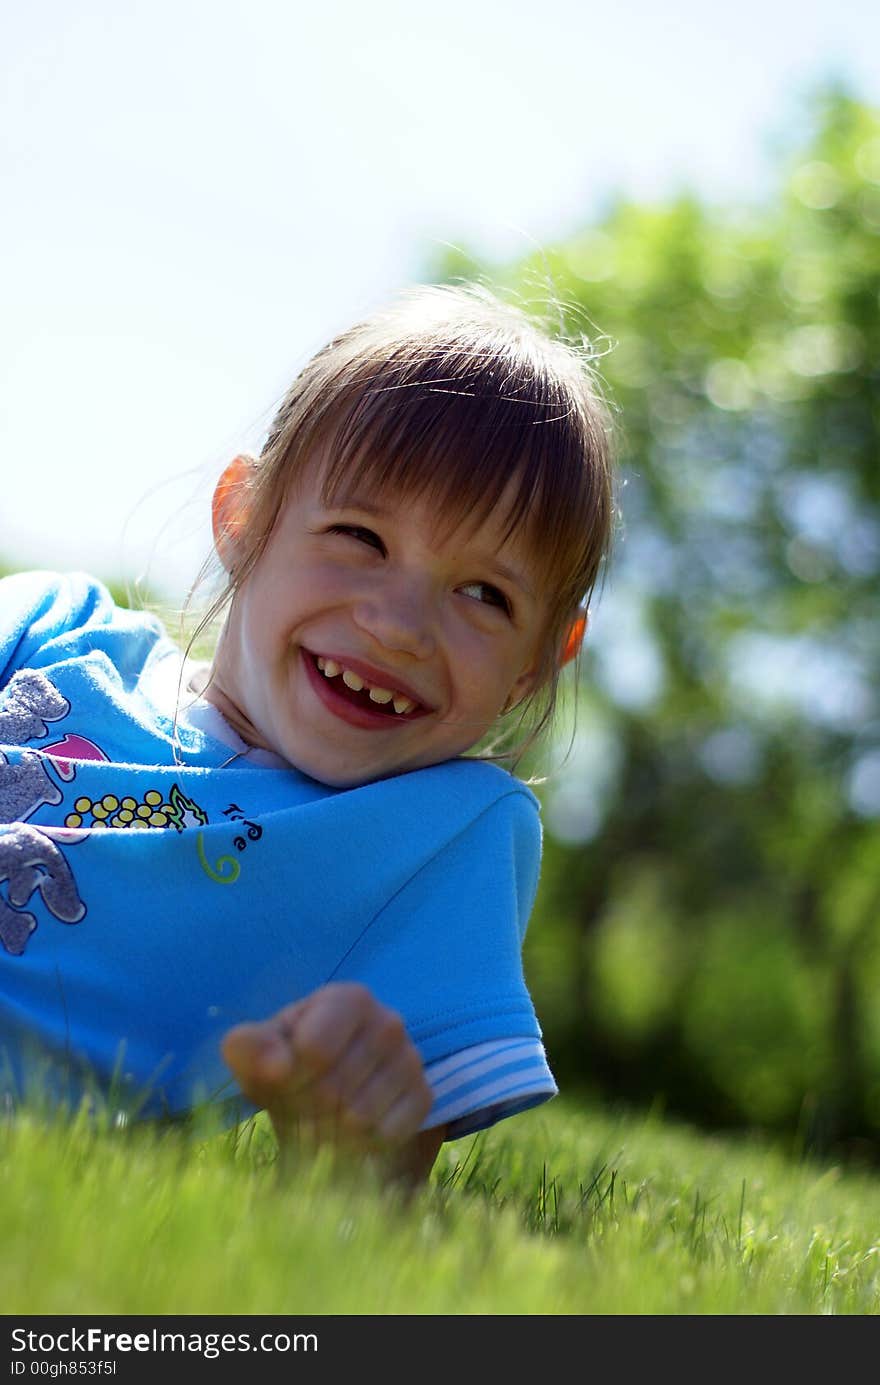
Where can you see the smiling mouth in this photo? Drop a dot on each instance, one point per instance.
(344, 691)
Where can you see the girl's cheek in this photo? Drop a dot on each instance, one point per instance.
(334, 575)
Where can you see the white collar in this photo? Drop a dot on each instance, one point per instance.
(167, 683)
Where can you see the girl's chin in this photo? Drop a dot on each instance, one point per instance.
(350, 771)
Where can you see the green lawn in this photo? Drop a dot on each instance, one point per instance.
(561, 1211)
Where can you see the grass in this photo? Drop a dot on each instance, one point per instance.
(561, 1211)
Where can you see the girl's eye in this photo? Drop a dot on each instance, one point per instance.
(487, 595)
(492, 596)
(357, 531)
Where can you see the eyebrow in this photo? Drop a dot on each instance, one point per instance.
(500, 569)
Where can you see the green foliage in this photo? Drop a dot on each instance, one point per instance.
(707, 923)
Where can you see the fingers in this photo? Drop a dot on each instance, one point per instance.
(261, 1055)
(338, 1059)
(329, 1023)
(375, 1084)
(393, 1102)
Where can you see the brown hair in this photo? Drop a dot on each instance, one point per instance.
(450, 394)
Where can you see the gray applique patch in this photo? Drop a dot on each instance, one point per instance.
(26, 704)
(24, 787)
(30, 862)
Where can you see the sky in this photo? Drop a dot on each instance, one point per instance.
(195, 196)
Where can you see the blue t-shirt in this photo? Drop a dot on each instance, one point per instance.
(156, 887)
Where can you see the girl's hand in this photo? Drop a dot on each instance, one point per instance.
(338, 1066)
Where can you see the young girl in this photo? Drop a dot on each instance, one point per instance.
(280, 881)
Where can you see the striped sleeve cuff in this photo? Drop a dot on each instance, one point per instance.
(481, 1085)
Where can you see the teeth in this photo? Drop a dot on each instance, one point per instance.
(353, 680)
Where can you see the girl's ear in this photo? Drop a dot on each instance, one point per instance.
(229, 508)
(527, 681)
(574, 638)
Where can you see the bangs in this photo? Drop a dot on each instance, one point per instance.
(473, 435)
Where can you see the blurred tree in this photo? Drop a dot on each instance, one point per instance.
(707, 926)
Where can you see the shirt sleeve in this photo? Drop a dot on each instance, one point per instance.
(446, 953)
(480, 1086)
(26, 604)
(46, 617)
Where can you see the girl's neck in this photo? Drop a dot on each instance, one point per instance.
(202, 683)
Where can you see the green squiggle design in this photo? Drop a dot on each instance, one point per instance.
(229, 869)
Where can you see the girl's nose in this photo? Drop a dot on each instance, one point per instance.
(399, 616)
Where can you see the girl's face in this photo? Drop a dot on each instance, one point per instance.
(363, 596)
